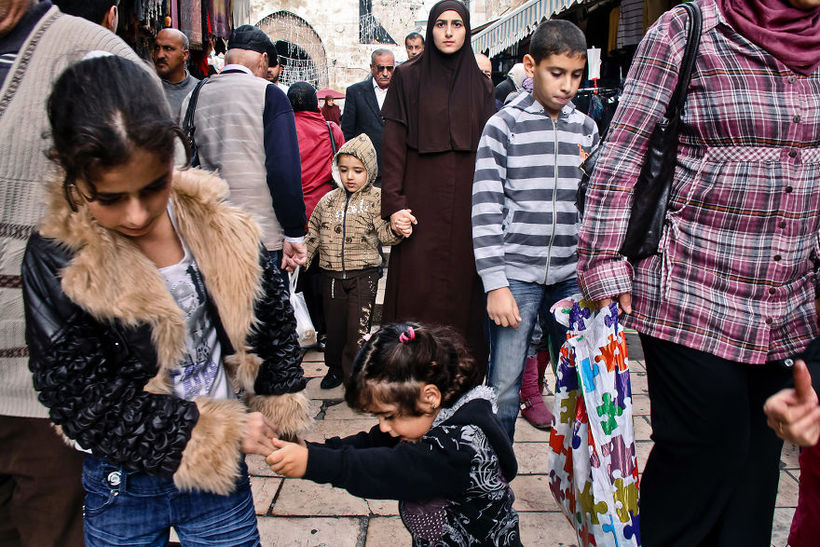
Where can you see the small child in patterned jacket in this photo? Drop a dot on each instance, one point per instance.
(346, 230)
(438, 447)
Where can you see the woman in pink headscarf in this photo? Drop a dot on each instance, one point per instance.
(730, 293)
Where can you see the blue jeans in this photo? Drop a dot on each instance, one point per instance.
(508, 346)
(132, 508)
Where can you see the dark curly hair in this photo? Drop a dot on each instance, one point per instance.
(389, 371)
(101, 109)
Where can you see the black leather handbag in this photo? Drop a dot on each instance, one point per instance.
(651, 193)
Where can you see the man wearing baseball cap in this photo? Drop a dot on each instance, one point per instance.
(245, 129)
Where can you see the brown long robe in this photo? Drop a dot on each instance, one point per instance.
(434, 112)
(431, 277)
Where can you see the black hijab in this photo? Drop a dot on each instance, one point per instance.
(443, 100)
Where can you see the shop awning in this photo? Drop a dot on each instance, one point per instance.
(517, 24)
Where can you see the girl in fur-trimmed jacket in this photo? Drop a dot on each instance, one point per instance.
(161, 337)
(346, 230)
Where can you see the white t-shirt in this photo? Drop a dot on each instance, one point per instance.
(200, 371)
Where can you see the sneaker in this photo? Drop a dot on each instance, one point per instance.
(331, 380)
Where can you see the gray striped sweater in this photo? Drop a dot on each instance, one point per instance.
(525, 224)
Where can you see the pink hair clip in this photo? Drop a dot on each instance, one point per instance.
(407, 336)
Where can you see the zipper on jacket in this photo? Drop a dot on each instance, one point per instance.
(344, 232)
(554, 198)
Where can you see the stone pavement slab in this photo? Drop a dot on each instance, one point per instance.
(299, 498)
(312, 531)
(382, 531)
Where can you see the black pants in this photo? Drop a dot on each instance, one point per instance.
(712, 475)
(310, 284)
(348, 306)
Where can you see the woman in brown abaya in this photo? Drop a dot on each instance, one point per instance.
(434, 113)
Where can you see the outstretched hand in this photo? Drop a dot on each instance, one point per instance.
(259, 435)
(290, 459)
(794, 414)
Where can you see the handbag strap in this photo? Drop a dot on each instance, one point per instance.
(332, 138)
(687, 64)
(188, 122)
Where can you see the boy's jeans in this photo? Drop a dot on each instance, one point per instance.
(508, 346)
(132, 508)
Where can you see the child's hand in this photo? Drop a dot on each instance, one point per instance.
(259, 435)
(502, 308)
(289, 460)
(402, 222)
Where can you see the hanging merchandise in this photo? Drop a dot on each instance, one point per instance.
(190, 21)
(630, 26)
(593, 468)
(221, 17)
(594, 63)
(241, 12)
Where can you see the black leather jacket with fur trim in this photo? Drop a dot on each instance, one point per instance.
(98, 366)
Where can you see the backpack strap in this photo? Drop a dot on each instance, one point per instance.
(332, 138)
(188, 126)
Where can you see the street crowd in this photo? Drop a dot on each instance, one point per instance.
(152, 224)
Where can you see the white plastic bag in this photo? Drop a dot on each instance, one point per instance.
(304, 326)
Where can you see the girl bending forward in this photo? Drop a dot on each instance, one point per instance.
(439, 448)
(161, 338)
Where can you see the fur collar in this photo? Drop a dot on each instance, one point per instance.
(478, 392)
(111, 279)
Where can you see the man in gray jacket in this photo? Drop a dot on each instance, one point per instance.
(170, 57)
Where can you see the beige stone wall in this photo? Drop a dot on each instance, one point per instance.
(336, 24)
(331, 31)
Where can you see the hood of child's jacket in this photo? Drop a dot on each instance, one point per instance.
(360, 147)
(476, 408)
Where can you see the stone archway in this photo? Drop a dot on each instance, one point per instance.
(299, 46)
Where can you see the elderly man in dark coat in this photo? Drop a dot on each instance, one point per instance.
(364, 100)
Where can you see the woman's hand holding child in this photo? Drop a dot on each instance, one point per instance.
(290, 459)
(259, 435)
(402, 222)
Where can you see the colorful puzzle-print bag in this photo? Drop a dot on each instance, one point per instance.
(593, 470)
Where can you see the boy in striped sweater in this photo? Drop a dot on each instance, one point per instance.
(525, 224)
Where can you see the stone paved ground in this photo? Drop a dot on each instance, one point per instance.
(298, 512)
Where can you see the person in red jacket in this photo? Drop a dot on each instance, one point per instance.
(318, 142)
(331, 111)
